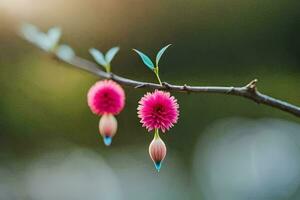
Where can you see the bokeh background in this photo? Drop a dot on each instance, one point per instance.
(223, 148)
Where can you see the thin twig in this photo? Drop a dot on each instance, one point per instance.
(249, 91)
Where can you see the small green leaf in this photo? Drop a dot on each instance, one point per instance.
(98, 56)
(111, 54)
(65, 52)
(54, 35)
(160, 53)
(46, 41)
(147, 61)
(29, 32)
(42, 40)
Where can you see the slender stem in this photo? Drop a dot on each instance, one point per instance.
(108, 68)
(156, 71)
(248, 91)
(158, 78)
(156, 133)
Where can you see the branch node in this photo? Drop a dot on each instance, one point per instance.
(110, 75)
(252, 86)
(186, 88)
(166, 85)
(140, 86)
(231, 90)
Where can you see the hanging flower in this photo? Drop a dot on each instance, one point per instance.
(108, 126)
(158, 110)
(106, 97)
(157, 151)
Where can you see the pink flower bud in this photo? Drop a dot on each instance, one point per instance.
(157, 151)
(108, 127)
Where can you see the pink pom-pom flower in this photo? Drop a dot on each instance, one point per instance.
(106, 97)
(158, 110)
(157, 151)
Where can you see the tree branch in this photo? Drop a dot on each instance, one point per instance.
(249, 91)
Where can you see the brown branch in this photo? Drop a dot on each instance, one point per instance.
(249, 91)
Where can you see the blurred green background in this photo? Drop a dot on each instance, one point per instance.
(228, 43)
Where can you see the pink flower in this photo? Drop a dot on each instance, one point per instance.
(158, 110)
(157, 152)
(108, 127)
(106, 97)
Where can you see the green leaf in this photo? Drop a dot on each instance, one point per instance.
(54, 35)
(147, 61)
(111, 54)
(160, 53)
(98, 56)
(30, 32)
(65, 52)
(42, 40)
(46, 41)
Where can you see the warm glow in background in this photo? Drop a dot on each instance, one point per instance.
(223, 148)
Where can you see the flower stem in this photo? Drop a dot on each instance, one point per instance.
(156, 133)
(108, 68)
(157, 75)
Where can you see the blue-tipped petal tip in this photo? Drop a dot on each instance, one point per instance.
(157, 165)
(107, 140)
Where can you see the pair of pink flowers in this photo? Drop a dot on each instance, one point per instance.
(157, 110)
